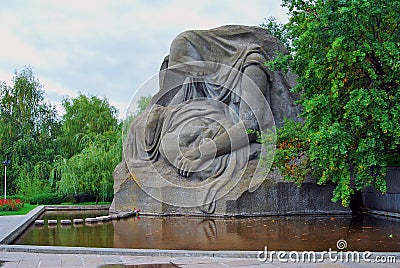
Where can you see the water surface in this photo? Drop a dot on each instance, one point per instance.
(194, 233)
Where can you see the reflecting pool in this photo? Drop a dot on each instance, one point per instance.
(195, 233)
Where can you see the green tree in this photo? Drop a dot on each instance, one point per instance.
(90, 171)
(85, 117)
(278, 30)
(92, 148)
(346, 55)
(28, 133)
(141, 105)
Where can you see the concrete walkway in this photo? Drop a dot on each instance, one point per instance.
(12, 226)
(27, 259)
(21, 256)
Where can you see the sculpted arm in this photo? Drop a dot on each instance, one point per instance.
(235, 137)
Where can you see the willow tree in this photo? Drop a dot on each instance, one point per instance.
(347, 57)
(85, 117)
(90, 171)
(91, 138)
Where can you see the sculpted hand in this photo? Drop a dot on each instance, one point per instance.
(191, 160)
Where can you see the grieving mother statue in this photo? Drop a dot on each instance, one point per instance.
(214, 88)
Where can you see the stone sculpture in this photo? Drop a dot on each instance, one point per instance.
(191, 152)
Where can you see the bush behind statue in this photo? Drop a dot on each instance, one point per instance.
(46, 199)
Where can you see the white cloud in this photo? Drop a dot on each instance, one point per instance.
(108, 48)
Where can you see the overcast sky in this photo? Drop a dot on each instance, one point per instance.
(107, 48)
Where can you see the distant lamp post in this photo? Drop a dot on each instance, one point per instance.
(5, 163)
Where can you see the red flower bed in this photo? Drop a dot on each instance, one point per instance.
(10, 204)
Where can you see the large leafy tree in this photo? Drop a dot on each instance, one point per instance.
(28, 130)
(347, 57)
(92, 148)
(90, 171)
(85, 117)
(278, 30)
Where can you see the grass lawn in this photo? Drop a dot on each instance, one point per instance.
(22, 211)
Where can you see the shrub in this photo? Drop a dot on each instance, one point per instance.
(15, 196)
(291, 152)
(46, 199)
(80, 198)
(11, 204)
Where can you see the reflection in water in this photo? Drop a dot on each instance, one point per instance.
(382, 233)
(209, 228)
(194, 233)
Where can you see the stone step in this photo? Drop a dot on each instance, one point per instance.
(65, 222)
(104, 218)
(91, 220)
(39, 222)
(78, 221)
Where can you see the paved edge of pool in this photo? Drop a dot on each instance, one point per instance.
(21, 223)
(166, 253)
(13, 226)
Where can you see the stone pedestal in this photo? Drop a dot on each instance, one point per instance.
(273, 197)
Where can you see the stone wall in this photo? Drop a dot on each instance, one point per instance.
(273, 197)
(385, 204)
